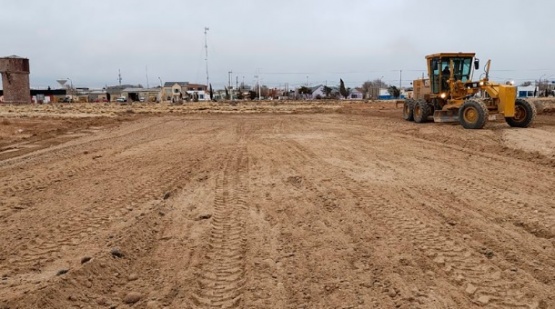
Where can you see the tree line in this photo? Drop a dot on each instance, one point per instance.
(370, 89)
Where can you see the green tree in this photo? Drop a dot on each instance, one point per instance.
(327, 91)
(304, 91)
(252, 94)
(394, 91)
(342, 90)
(526, 83)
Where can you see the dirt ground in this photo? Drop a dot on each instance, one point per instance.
(273, 205)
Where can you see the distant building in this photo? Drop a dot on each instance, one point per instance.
(527, 91)
(175, 91)
(319, 93)
(42, 95)
(48, 95)
(115, 92)
(356, 94)
(133, 94)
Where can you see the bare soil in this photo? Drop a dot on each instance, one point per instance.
(272, 205)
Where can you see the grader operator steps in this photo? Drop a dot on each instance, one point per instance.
(450, 95)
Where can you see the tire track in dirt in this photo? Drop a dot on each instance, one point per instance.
(510, 190)
(326, 202)
(20, 181)
(19, 184)
(516, 203)
(98, 143)
(222, 276)
(522, 164)
(80, 222)
(482, 281)
(467, 218)
(67, 149)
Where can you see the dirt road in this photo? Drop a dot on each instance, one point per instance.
(351, 209)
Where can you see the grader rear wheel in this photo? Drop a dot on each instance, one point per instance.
(408, 107)
(525, 113)
(421, 111)
(473, 114)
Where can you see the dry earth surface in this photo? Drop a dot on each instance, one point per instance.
(272, 205)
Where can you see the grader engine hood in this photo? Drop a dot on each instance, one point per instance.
(506, 95)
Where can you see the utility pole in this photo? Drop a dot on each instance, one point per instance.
(206, 50)
(229, 84)
(119, 76)
(258, 82)
(400, 75)
(146, 72)
(379, 87)
(71, 88)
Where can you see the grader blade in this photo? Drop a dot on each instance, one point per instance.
(446, 116)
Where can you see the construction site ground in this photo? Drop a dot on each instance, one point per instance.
(329, 204)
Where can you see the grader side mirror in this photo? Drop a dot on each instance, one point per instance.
(476, 64)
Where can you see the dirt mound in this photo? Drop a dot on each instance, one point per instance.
(545, 105)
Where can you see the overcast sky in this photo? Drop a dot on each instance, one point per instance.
(294, 42)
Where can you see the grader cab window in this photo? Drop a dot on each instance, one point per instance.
(461, 67)
(441, 71)
(435, 68)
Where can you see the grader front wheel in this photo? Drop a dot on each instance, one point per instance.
(473, 114)
(525, 112)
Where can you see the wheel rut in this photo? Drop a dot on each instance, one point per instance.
(483, 282)
(80, 223)
(221, 276)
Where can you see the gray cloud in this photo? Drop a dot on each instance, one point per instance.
(285, 41)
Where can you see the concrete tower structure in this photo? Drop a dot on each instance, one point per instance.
(15, 79)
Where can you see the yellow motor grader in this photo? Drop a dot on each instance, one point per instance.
(450, 95)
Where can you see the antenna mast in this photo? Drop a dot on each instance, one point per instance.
(206, 49)
(146, 72)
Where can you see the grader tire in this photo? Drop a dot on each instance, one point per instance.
(422, 110)
(525, 113)
(408, 108)
(473, 114)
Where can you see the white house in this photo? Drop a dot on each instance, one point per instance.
(319, 93)
(356, 94)
(526, 91)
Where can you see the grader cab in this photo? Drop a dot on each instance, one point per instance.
(450, 95)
